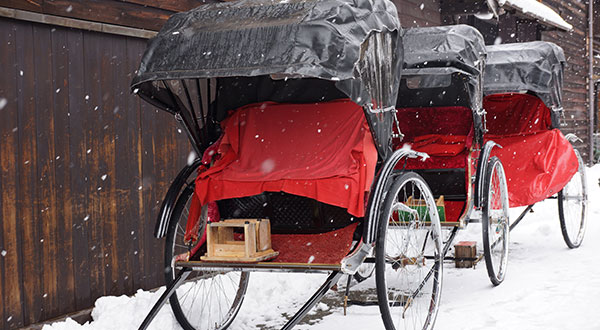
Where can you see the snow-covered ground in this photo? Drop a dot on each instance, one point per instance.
(547, 286)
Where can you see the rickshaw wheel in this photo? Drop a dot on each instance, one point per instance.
(495, 221)
(408, 254)
(572, 207)
(207, 300)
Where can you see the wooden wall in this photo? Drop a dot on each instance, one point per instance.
(142, 14)
(416, 13)
(575, 88)
(84, 166)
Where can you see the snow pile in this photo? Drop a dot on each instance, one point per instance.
(538, 10)
(547, 287)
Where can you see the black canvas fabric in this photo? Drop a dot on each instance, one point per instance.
(354, 44)
(443, 66)
(535, 67)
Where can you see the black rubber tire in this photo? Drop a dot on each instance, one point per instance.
(175, 235)
(578, 187)
(495, 179)
(425, 259)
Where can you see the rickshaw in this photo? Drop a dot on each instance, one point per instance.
(523, 101)
(440, 112)
(289, 106)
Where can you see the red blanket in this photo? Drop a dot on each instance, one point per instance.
(537, 165)
(322, 151)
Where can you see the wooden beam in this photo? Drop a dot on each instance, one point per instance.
(75, 23)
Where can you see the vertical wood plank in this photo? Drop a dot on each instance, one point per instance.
(147, 186)
(26, 198)
(60, 59)
(9, 251)
(107, 167)
(46, 184)
(124, 174)
(93, 48)
(78, 166)
(134, 53)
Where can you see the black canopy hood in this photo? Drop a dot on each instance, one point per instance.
(354, 44)
(442, 67)
(535, 66)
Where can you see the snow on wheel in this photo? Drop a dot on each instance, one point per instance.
(495, 221)
(572, 207)
(409, 257)
(208, 299)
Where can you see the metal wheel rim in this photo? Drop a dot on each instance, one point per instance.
(217, 296)
(573, 198)
(422, 310)
(498, 226)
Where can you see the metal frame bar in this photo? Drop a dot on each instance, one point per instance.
(312, 301)
(521, 216)
(268, 267)
(164, 297)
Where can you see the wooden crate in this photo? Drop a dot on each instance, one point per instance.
(256, 245)
(465, 254)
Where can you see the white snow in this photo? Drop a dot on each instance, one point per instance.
(547, 287)
(537, 10)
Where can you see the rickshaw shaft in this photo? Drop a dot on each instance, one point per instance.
(164, 297)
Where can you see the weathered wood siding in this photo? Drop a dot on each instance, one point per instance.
(84, 166)
(142, 14)
(575, 88)
(416, 13)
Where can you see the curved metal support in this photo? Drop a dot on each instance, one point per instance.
(351, 262)
(383, 180)
(481, 170)
(168, 203)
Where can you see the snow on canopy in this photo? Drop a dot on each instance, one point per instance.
(538, 11)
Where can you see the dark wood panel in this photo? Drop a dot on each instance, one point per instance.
(93, 50)
(176, 6)
(72, 120)
(78, 166)
(123, 174)
(62, 160)
(103, 11)
(26, 201)
(46, 184)
(11, 272)
(134, 52)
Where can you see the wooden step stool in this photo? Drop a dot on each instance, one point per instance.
(256, 246)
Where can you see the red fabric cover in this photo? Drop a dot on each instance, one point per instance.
(322, 151)
(440, 145)
(514, 113)
(454, 209)
(447, 130)
(191, 228)
(537, 165)
(325, 248)
(416, 122)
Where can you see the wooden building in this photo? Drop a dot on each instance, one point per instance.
(85, 165)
